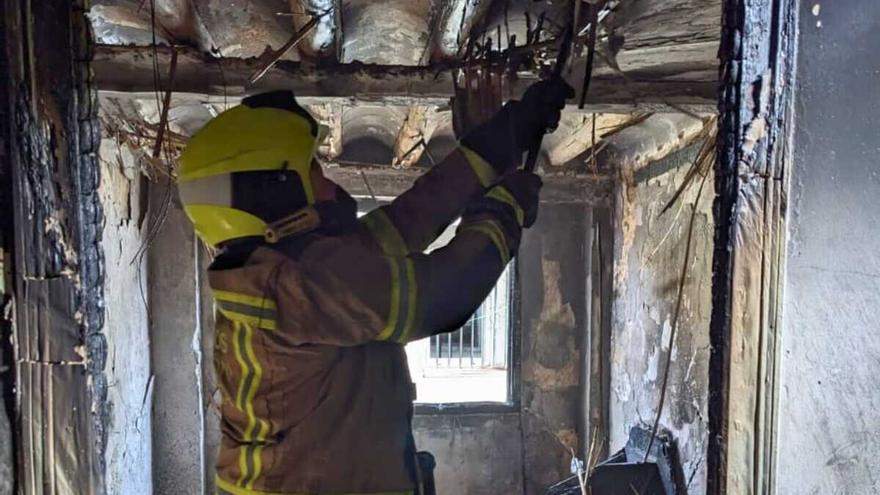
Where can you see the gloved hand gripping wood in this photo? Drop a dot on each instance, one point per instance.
(514, 201)
(504, 138)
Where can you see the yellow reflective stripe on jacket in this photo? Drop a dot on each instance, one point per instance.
(495, 233)
(250, 462)
(385, 233)
(408, 294)
(260, 312)
(402, 305)
(394, 300)
(402, 301)
(226, 488)
(500, 193)
(484, 172)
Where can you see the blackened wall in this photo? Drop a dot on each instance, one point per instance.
(648, 256)
(50, 143)
(7, 377)
(554, 272)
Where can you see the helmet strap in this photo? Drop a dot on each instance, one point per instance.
(299, 222)
(332, 217)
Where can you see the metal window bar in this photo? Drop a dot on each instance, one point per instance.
(483, 339)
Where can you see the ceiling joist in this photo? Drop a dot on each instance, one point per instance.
(382, 181)
(129, 70)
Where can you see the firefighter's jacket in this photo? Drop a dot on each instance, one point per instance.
(317, 397)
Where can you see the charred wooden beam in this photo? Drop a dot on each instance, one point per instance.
(629, 151)
(53, 257)
(127, 70)
(673, 37)
(383, 181)
(751, 186)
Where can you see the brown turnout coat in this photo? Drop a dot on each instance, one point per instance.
(317, 397)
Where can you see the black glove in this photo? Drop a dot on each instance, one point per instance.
(525, 187)
(513, 201)
(504, 138)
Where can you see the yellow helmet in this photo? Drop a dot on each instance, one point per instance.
(249, 168)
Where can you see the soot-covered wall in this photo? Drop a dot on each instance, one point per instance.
(648, 256)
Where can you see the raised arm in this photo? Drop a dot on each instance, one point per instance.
(485, 155)
(438, 197)
(455, 280)
(355, 295)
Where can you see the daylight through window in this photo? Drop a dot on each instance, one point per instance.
(470, 364)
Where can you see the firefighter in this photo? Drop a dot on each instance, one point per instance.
(314, 305)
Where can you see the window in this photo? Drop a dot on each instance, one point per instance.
(471, 363)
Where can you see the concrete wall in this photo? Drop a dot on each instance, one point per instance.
(176, 323)
(477, 454)
(648, 256)
(554, 269)
(829, 405)
(129, 382)
(527, 450)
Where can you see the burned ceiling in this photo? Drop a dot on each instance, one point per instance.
(381, 74)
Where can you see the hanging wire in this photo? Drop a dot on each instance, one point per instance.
(664, 386)
(216, 50)
(369, 188)
(594, 162)
(591, 51)
(162, 148)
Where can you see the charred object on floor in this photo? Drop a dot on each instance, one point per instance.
(630, 471)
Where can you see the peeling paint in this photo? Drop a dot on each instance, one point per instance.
(653, 363)
(627, 221)
(647, 266)
(129, 445)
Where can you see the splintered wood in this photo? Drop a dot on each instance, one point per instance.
(479, 93)
(412, 137)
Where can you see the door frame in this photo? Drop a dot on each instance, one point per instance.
(751, 183)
